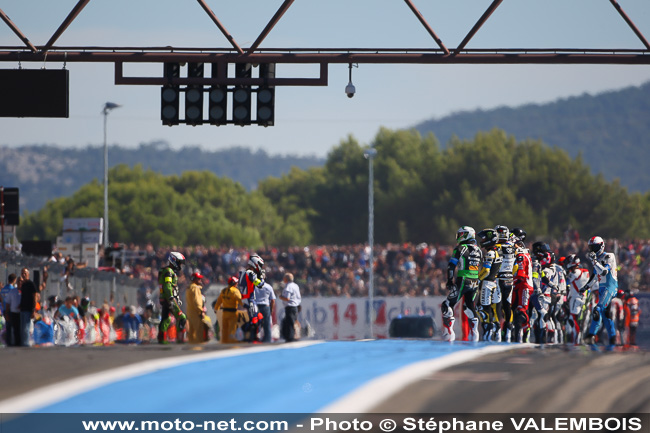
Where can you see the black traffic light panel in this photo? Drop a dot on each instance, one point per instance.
(266, 96)
(170, 96)
(10, 206)
(217, 101)
(241, 96)
(194, 96)
(218, 105)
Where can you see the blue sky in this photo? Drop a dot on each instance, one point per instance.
(310, 120)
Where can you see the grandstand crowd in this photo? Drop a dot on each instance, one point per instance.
(407, 269)
(342, 270)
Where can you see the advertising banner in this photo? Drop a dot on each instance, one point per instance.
(83, 224)
(349, 318)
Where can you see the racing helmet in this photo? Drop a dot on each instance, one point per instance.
(465, 234)
(545, 259)
(503, 233)
(176, 261)
(487, 238)
(541, 247)
(256, 263)
(597, 245)
(571, 262)
(519, 234)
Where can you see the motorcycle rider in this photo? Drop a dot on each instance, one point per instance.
(252, 277)
(490, 294)
(554, 277)
(577, 286)
(464, 263)
(522, 286)
(539, 301)
(169, 299)
(507, 251)
(604, 265)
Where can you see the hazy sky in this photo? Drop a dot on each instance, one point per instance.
(310, 120)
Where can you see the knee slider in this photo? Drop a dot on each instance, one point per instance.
(521, 315)
(164, 324)
(469, 313)
(482, 314)
(596, 314)
(446, 310)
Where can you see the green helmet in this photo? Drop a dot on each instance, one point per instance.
(465, 234)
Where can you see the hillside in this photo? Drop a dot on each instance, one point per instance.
(46, 172)
(611, 130)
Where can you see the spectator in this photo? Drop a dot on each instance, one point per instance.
(28, 292)
(195, 314)
(67, 309)
(132, 323)
(12, 300)
(4, 297)
(265, 299)
(291, 297)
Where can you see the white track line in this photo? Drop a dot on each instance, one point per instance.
(377, 390)
(47, 395)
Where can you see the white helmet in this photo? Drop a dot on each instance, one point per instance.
(597, 245)
(465, 234)
(176, 260)
(255, 263)
(503, 232)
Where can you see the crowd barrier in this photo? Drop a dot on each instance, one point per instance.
(101, 287)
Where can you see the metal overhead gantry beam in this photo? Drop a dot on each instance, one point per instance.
(278, 15)
(225, 32)
(426, 25)
(495, 4)
(244, 85)
(319, 56)
(65, 24)
(17, 31)
(629, 22)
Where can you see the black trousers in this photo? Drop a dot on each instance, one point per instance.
(290, 317)
(14, 337)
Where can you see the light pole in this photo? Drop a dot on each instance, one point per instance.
(107, 108)
(370, 154)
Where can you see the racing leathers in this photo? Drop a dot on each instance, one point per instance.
(464, 265)
(554, 278)
(248, 280)
(523, 289)
(507, 252)
(577, 279)
(490, 294)
(540, 302)
(605, 268)
(170, 303)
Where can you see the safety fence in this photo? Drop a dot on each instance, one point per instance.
(101, 287)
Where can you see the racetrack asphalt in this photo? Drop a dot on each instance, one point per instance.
(526, 380)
